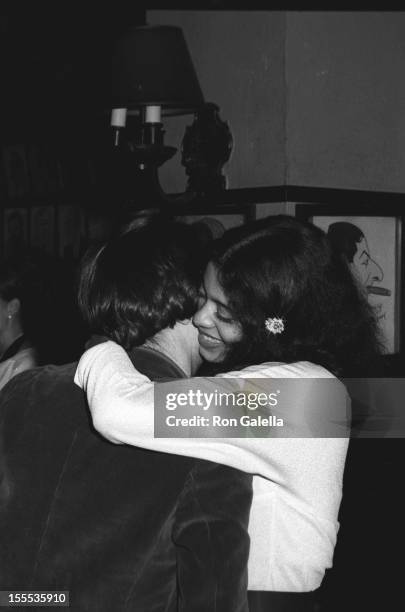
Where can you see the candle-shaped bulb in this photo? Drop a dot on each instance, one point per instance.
(152, 114)
(118, 117)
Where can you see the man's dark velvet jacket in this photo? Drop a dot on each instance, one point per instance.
(120, 527)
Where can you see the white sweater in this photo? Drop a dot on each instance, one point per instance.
(297, 484)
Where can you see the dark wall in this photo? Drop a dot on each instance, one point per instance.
(54, 66)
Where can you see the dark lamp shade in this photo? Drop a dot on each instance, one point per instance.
(151, 65)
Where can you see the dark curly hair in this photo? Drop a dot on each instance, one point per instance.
(287, 268)
(344, 237)
(140, 282)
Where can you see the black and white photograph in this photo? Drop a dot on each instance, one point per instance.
(71, 231)
(42, 228)
(15, 231)
(16, 170)
(39, 170)
(202, 299)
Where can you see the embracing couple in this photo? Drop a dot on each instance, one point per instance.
(165, 524)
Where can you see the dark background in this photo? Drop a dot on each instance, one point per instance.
(54, 67)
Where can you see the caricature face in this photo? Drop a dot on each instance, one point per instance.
(365, 267)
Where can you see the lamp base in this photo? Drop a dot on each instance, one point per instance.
(136, 167)
(144, 190)
(206, 147)
(150, 154)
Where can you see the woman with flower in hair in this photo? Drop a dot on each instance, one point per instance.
(282, 293)
(273, 292)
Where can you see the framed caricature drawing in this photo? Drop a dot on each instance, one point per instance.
(372, 242)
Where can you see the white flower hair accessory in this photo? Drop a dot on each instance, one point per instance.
(274, 325)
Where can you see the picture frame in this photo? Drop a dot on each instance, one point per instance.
(372, 240)
(42, 228)
(213, 224)
(39, 170)
(72, 231)
(16, 170)
(211, 220)
(15, 231)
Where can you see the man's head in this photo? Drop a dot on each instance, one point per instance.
(141, 282)
(352, 243)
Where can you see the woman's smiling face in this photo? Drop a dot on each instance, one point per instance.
(216, 326)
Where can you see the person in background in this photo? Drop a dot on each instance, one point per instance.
(39, 319)
(275, 291)
(121, 528)
(17, 294)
